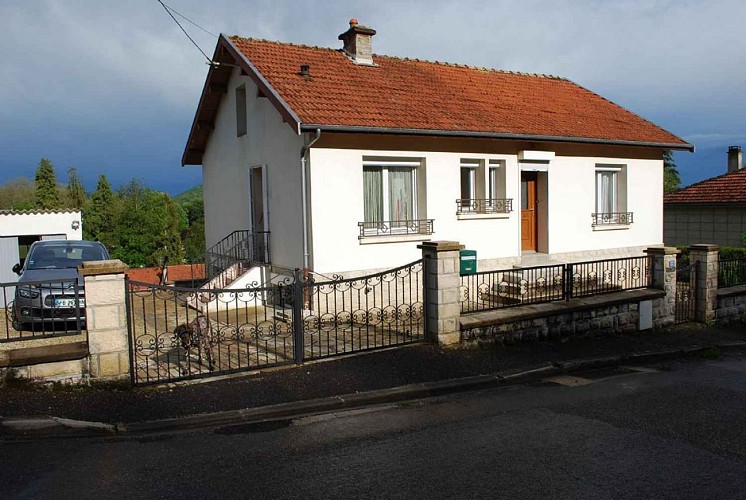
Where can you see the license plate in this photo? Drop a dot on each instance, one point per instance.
(67, 303)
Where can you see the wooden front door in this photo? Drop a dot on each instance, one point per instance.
(528, 211)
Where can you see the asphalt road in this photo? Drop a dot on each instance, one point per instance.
(674, 433)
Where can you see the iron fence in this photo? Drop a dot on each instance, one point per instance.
(490, 290)
(177, 333)
(731, 272)
(611, 275)
(40, 309)
(357, 314)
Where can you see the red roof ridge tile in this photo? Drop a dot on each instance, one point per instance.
(404, 58)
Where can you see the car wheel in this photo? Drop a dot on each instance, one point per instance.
(17, 325)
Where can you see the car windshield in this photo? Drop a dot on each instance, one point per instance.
(63, 256)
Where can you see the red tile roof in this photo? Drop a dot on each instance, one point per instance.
(726, 188)
(412, 94)
(177, 272)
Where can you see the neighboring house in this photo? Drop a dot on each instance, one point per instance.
(19, 229)
(710, 211)
(177, 274)
(349, 159)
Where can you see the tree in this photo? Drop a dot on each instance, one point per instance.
(148, 227)
(671, 179)
(47, 192)
(17, 194)
(100, 218)
(75, 192)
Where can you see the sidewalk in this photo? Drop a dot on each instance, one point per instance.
(373, 371)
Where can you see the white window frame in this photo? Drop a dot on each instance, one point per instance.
(385, 165)
(618, 192)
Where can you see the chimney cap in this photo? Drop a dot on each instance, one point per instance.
(734, 148)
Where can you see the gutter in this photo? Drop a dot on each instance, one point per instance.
(303, 151)
(465, 133)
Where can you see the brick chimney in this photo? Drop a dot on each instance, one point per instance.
(357, 43)
(735, 158)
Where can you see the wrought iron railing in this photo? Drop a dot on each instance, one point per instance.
(395, 227)
(178, 333)
(612, 218)
(512, 287)
(239, 249)
(489, 290)
(39, 309)
(484, 206)
(611, 275)
(731, 272)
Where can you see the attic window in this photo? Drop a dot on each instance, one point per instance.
(241, 125)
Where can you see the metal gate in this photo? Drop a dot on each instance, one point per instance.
(686, 292)
(182, 333)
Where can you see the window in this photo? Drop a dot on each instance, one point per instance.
(468, 180)
(611, 196)
(241, 125)
(482, 193)
(390, 197)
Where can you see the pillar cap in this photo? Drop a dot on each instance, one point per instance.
(99, 267)
(441, 246)
(705, 247)
(662, 251)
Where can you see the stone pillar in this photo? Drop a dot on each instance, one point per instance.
(442, 283)
(663, 277)
(106, 319)
(707, 280)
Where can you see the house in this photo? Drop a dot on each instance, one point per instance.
(349, 159)
(710, 211)
(20, 228)
(176, 274)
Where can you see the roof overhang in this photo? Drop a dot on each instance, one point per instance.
(225, 58)
(491, 135)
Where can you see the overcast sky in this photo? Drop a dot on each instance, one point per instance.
(112, 86)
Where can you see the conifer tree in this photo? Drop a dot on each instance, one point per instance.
(47, 195)
(76, 197)
(101, 214)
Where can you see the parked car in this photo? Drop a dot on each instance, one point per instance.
(49, 283)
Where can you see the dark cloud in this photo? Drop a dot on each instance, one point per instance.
(113, 86)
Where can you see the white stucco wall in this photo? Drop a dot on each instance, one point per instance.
(571, 202)
(337, 207)
(225, 173)
(42, 223)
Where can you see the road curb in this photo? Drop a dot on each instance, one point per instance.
(54, 427)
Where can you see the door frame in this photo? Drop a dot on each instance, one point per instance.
(532, 178)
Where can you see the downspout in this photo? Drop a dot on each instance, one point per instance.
(303, 181)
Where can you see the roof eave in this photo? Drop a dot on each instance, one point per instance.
(242, 62)
(684, 146)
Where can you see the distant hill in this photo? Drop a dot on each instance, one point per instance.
(190, 196)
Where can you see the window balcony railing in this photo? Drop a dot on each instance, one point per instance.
(612, 218)
(395, 227)
(484, 206)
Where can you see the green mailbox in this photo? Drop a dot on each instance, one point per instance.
(468, 262)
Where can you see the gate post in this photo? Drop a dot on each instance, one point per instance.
(442, 282)
(298, 304)
(707, 280)
(663, 277)
(106, 319)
